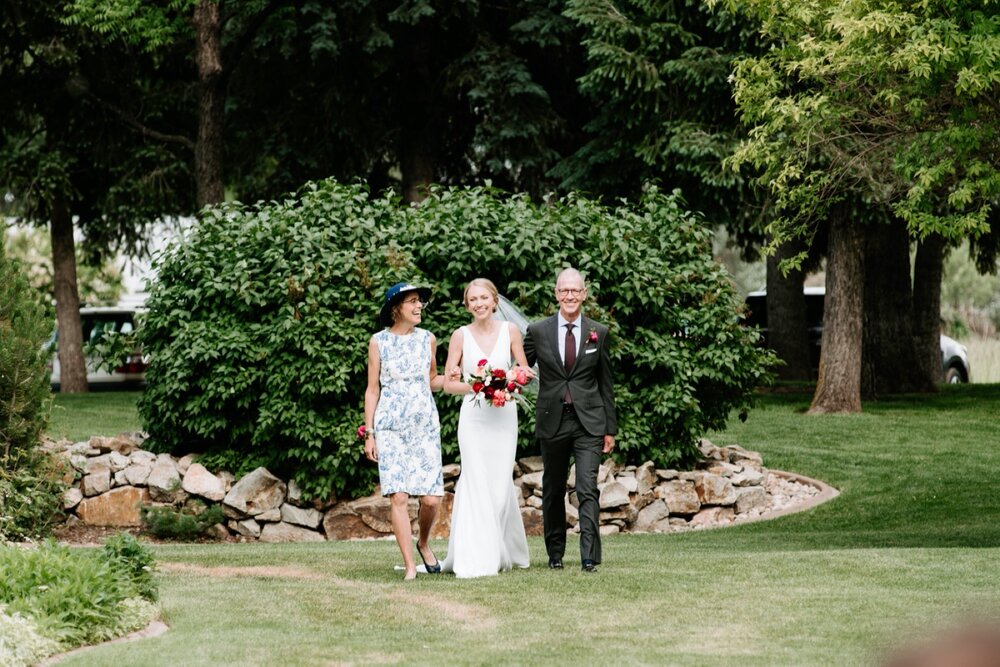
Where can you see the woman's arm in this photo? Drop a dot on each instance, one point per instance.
(372, 394)
(455, 385)
(517, 351)
(437, 381)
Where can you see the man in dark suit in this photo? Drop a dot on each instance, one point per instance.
(575, 415)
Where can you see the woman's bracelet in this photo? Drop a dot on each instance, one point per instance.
(369, 433)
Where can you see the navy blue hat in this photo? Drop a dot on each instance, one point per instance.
(394, 295)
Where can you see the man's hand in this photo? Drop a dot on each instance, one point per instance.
(609, 443)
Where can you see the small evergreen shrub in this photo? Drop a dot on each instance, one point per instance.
(259, 323)
(169, 523)
(30, 492)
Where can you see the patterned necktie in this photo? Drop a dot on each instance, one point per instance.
(569, 359)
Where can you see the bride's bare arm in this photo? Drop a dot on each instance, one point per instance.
(453, 384)
(517, 350)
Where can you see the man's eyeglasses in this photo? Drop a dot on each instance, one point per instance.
(566, 291)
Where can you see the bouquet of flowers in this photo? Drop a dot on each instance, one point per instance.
(496, 385)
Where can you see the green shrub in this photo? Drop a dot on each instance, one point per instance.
(29, 495)
(134, 558)
(258, 325)
(73, 596)
(179, 524)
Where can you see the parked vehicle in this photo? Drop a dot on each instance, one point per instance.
(954, 356)
(96, 322)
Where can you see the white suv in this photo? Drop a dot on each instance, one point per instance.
(95, 323)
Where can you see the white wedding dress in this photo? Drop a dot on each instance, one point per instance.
(487, 533)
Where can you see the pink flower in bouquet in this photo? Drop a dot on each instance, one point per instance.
(520, 376)
(499, 398)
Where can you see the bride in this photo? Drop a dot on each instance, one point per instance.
(487, 534)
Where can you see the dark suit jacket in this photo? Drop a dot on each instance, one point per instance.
(589, 381)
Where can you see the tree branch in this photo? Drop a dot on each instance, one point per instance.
(135, 124)
(234, 53)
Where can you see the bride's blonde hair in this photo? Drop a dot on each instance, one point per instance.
(486, 284)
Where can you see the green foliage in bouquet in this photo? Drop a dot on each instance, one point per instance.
(259, 324)
(30, 491)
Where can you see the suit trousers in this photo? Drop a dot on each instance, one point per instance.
(571, 438)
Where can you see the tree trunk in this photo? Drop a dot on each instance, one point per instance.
(927, 273)
(208, 151)
(888, 358)
(417, 144)
(839, 386)
(72, 370)
(787, 329)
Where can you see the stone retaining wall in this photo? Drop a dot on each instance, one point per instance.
(112, 477)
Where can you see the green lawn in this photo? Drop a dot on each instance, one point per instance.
(909, 547)
(79, 416)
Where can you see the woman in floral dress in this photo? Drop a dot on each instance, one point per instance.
(402, 431)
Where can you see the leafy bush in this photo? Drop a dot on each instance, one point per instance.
(74, 596)
(29, 493)
(134, 558)
(258, 325)
(173, 524)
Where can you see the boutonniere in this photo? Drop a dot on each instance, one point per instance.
(592, 336)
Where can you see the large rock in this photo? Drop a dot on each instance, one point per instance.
(714, 490)
(532, 480)
(342, 524)
(531, 464)
(286, 532)
(710, 516)
(137, 474)
(680, 496)
(376, 512)
(748, 477)
(142, 457)
(184, 462)
(246, 528)
(442, 527)
(300, 516)
(119, 507)
(72, 498)
(630, 483)
(199, 482)
(164, 481)
(749, 498)
(614, 494)
(97, 481)
(645, 476)
(122, 444)
(532, 519)
(650, 515)
(256, 493)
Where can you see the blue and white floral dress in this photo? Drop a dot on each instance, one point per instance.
(407, 429)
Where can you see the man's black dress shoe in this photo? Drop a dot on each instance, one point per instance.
(555, 564)
(589, 566)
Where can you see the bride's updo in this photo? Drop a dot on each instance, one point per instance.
(486, 284)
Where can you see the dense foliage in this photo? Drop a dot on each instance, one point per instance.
(258, 325)
(894, 102)
(75, 596)
(30, 489)
(170, 523)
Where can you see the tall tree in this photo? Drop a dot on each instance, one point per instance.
(65, 164)
(896, 105)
